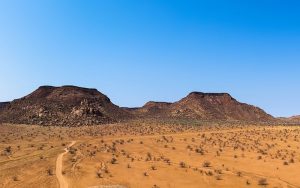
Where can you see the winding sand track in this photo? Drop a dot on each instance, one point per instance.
(62, 182)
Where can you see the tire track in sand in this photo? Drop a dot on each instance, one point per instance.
(58, 171)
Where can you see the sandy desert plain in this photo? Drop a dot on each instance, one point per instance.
(148, 154)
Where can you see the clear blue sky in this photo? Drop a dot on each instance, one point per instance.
(136, 51)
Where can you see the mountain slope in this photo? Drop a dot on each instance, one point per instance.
(75, 106)
(3, 104)
(66, 105)
(208, 106)
(293, 119)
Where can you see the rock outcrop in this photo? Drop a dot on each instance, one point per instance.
(76, 106)
(63, 106)
(293, 119)
(3, 104)
(206, 106)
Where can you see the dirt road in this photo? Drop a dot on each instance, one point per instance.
(62, 182)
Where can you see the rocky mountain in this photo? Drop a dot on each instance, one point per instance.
(65, 106)
(207, 106)
(293, 119)
(3, 104)
(152, 109)
(75, 106)
(297, 118)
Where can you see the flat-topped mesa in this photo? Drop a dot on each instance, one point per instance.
(220, 106)
(73, 106)
(65, 106)
(214, 98)
(207, 106)
(66, 93)
(196, 95)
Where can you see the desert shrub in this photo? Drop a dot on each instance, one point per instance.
(209, 173)
(263, 181)
(206, 164)
(182, 164)
(16, 178)
(248, 182)
(100, 175)
(50, 172)
(114, 161)
(8, 149)
(218, 171)
(72, 150)
(239, 174)
(149, 156)
(200, 151)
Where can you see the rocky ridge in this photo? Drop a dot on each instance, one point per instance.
(77, 106)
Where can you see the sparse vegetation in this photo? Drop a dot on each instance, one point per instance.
(263, 182)
(206, 164)
(214, 146)
(50, 172)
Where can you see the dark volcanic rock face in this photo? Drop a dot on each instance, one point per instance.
(296, 118)
(293, 119)
(76, 106)
(207, 106)
(3, 104)
(64, 106)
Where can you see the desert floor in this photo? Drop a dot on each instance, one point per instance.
(150, 155)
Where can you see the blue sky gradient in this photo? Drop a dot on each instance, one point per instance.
(136, 51)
